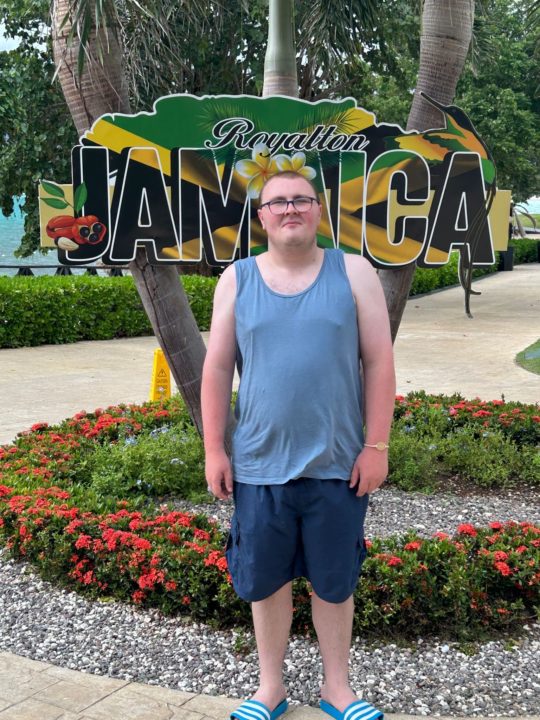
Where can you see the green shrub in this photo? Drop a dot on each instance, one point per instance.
(167, 460)
(413, 462)
(525, 250)
(428, 279)
(62, 309)
(488, 457)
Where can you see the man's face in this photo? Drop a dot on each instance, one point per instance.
(292, 229)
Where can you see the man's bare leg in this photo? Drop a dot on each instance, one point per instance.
(272, 619)
(333, 624)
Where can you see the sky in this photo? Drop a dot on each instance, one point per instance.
(5, 43)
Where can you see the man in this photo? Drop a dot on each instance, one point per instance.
(297, 319)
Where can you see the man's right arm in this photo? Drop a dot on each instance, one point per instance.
(217, 377)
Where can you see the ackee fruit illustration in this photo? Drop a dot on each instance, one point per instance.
(69, 233)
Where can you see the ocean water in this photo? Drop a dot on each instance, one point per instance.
(532, 205)
(11, 232)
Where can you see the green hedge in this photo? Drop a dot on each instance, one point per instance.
(62, 309)
(525, 250)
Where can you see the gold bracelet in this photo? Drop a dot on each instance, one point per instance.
(378, 446)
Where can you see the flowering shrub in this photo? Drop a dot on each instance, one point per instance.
(480, 579)
(491, 443)
(89, 525)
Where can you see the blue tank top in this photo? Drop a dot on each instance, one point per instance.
(299, 405)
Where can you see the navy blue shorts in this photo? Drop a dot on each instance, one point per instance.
(305, 528)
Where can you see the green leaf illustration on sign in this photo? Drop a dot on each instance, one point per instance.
(81, 195)
(57, 204)
(53, 189)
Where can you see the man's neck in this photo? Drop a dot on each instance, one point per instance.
(293, 258)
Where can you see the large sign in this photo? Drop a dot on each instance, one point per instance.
(183, 181)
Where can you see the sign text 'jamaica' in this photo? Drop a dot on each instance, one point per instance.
(184, 180)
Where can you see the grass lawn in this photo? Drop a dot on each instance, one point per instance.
(529, 359)
(527, 223)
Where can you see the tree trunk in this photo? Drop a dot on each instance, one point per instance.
(280, 77)
(102, 89)
(446, 35)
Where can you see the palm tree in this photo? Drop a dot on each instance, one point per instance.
(88, 54)
(445, 40)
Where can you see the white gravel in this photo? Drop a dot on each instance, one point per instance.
(431, 677)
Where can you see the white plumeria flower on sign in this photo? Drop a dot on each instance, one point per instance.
(296, 163)
(257, 170)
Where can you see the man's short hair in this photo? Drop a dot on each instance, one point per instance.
(288, 174)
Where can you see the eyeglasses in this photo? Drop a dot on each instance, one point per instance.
(300, 204)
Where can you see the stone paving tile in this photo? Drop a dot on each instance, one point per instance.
(4, 703)
(72, 696)
(125, 704)
(31, 709)
(25, 686)
(104, 683)
(182, 714)
(162, 694)
(303, 712)
(214, 706)
(12, 664)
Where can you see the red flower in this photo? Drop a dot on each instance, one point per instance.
(415, 545)
(170, 585)
(83, 541)
(503, 568)
(482, 413)
(186, 600)
(39, 426)
(441, 535)
(467, 529)
(393, 561)
(500, 555)
(496, 525)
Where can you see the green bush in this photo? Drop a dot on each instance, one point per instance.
(413, 462)
(428, 279)
(166, 460)
(62, 309)
(525, 250)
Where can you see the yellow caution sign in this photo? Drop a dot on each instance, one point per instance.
(161, 377)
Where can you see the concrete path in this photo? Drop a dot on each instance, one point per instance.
(438, 349)
(33, 690)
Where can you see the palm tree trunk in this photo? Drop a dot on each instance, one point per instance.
(101, 89)
(446, 35)
(280, 77)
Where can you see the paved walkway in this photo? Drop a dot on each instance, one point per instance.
(439, 349)
(33, 690)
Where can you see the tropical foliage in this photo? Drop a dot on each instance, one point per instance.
(90, 504)
(211, 48)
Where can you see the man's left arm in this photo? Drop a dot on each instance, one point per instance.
(371, 466)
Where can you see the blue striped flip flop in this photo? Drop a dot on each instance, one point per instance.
(357, 710)
(255, 710)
